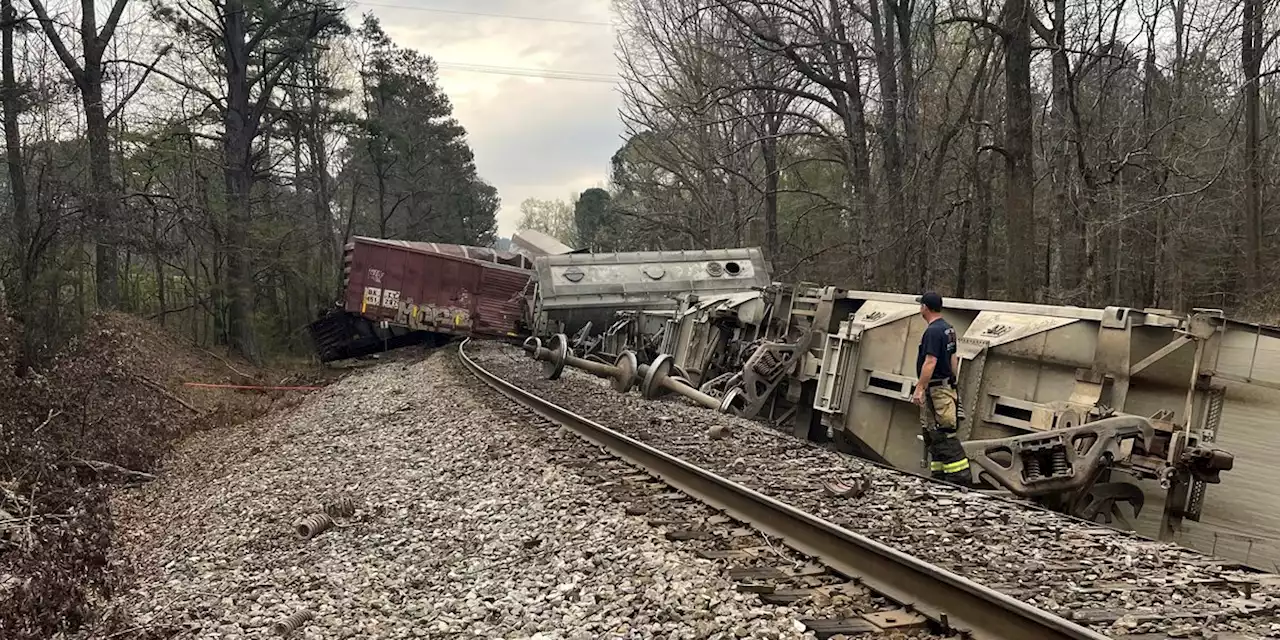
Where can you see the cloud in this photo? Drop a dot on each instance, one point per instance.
(532, 137)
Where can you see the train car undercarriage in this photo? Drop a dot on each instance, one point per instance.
(1084, 411)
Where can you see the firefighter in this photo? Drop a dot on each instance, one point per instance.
(935, 393)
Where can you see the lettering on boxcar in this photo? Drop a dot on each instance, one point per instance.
(431, 317)
(390, 298)
(405, 312)
(372, 296)
(375, 275)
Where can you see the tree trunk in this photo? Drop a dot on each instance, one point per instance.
(24, 244)
(909, 116)
(158, 265)
(982, 198)
(1157, 264)
(197, 319)
(238, 177)
(882, 31)
(1020, 238)
(769, 149)
(962, 266)
(127, 299)
(1061, 243)
(313, 258)
(1092, 256)
(382, 206)
(858, 156)
(330, 250)
(1172, 247)
(1251, 61)
(104, 199)
(27, 262)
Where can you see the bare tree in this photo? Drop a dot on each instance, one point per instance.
(11, 99)
(1252, 50)
(87, 73)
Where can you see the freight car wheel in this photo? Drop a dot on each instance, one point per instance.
(733, 402)
(531, 346)
(554, 366)
(627, 366)
(658, 371)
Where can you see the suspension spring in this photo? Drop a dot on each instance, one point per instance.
(343, 507)
(292, 623)
(313, 525)
(766, 363)
(1060, 464)
(1033, 467)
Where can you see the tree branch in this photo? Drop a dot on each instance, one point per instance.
(1000, 150)
(109, 29)
(68, 60)
(132, 92)
(977, 22)
(187, 84)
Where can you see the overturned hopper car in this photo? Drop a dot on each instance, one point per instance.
(397, 293)
(617, 296)
(1116, 415)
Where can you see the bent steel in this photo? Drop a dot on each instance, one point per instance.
(937, 593)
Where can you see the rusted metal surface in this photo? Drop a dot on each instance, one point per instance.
(499, 307)
(1059, 460)
(436, 287)
(966, 606)
(479, 254)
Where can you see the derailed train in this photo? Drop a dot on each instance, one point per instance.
(1081, 410)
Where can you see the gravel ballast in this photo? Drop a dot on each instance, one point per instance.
(1115, 582)
(462, 529)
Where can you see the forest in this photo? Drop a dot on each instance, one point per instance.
(201, 163)
(1086, 152)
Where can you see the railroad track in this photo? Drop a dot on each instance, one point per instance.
(953, 603)
(1113, 582)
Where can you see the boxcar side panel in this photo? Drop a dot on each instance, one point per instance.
(409, 285)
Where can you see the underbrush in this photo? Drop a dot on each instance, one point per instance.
(98, 418)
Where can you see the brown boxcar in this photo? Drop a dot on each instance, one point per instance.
(398, 292)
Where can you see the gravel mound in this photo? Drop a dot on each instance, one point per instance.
(462, 529)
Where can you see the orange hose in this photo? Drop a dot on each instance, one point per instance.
(241, 386)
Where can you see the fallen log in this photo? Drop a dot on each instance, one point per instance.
(159, 388)
(100, 467)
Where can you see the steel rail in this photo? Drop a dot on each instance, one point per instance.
(941, 595)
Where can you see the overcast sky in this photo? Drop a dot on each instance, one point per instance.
(533, 137)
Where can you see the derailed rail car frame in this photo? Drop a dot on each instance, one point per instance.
(614, 300)
(398, 292)
(1038, 383)
(1032, 378)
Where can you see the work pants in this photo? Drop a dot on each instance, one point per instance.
(939, 417)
